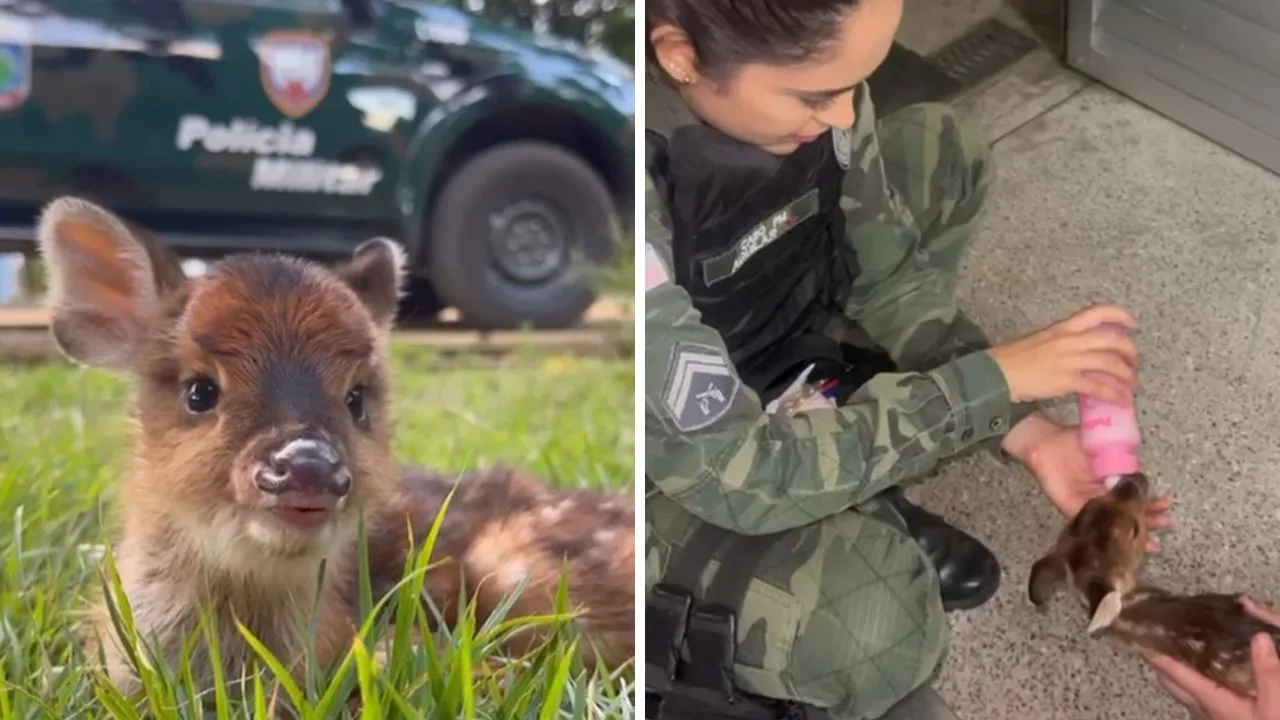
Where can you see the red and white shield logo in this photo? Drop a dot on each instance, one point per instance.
(295, 70)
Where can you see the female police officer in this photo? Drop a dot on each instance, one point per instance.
(787, 230)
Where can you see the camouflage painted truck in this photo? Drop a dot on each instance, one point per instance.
(502, 160)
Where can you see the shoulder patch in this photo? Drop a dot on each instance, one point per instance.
(842, 139)
(655, 273)
(15, 74)
(701, 386)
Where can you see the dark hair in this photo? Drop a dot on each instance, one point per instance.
(729, 33)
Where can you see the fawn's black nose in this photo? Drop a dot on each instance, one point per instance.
(305, 466)
(1133, 486)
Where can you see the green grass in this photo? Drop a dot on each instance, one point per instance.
(63, 437)
(618, 278)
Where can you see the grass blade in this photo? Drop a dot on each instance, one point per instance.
(371, 708)
(555, 693)
(222, 711)
(277, 668)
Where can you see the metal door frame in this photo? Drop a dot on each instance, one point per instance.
(1115, 62)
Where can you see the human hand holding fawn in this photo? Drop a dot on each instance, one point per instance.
(1209, 701)
(1053, 453)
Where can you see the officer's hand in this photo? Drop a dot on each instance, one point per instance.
(1210, 701)
(1056, 457)
(1077, 355)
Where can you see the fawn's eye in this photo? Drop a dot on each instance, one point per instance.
(201, 395)
(355, 404)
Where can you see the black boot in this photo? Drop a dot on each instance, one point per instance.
(967, 570)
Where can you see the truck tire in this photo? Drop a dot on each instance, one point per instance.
(505, 228)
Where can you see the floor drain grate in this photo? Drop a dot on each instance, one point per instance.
(906, 77)
(982, 52)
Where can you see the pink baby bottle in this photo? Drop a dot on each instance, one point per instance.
(1110, 436)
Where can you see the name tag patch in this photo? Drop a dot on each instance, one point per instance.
(724, 265)
(700, 387)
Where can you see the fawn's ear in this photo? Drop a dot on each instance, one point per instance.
(376, 272)
(1106, 612)
(1047, 576)
(166, 266)
(105, 282)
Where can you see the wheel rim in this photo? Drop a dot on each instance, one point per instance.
(527, 239)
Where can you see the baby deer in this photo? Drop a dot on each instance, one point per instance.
(263, 428)
(1099, 554)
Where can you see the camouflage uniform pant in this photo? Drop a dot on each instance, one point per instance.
(845, 613)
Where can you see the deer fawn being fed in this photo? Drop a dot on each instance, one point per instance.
(263, 434)
(1099, 554)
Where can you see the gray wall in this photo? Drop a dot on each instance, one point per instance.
(1212, 65)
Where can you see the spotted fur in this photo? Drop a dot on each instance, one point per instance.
(1099, 555)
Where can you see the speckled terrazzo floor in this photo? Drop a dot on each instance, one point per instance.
(1099, 198)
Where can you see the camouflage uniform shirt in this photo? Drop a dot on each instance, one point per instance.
(753, 472)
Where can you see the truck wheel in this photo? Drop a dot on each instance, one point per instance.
(510, 234)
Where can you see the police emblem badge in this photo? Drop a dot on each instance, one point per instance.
(295, 69)
(15, 74)
(842, 139)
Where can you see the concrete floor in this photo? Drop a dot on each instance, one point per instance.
(1100, 199)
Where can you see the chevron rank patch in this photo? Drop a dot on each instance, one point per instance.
(701, 386)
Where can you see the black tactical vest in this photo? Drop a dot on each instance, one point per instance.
(758, 243)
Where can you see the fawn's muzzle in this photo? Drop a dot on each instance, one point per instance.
(305, 466)
(1132, 486)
